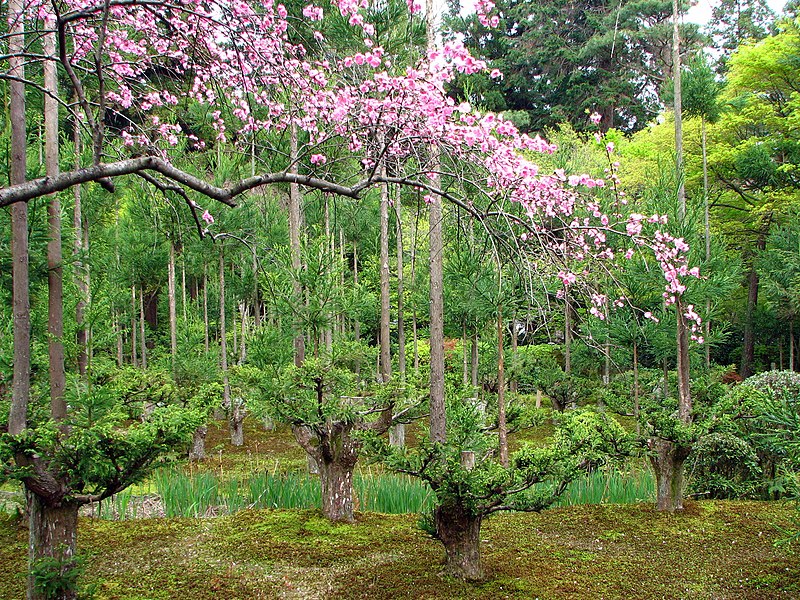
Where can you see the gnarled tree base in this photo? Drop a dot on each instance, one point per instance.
(667, 463)
(459, 531)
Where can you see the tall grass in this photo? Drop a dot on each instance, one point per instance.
(202, 494)
(611, 486)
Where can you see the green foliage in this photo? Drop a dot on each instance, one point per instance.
(54, 577)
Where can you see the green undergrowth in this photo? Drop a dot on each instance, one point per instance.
(719, 550)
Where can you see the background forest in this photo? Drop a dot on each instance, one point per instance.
(389, 321)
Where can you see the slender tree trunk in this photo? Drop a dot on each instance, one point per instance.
(636, 386)
(791, 345)
(464, 354)
(414, 338)
(567, 334)
(707, 230)
(243, 345)
(401, 324)
(438, 418)
(459, 531)
(294, 243)
(205, 304)
(184, 308)
(223, 341)
(327, 333)
(134, 310)
(256, 297)
(142, 337)
(684, 395)
(677, 105)
(55, 272)
(119, 332)
(749, 341)
(514, 351)
(385, 342)
(20, 391)
(475, 363)
(501, 391)
(173, 312)
(81, 270)
(53, 535)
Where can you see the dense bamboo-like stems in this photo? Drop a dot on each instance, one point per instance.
(20, 391)
(502, 429)
(142, 337)
(55, 272)
(173, 312)
(294, 244)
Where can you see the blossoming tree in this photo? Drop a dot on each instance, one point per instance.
(158, 89)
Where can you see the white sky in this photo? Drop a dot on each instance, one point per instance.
(701, 11)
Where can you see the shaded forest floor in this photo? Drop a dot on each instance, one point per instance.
(719, 550)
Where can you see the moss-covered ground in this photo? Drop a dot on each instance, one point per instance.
(714, 550)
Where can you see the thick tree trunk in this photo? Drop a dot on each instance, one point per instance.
(198, 449)
(667, 460)
(460, 531)
(336, 478)
(236, 422)
(53, 534)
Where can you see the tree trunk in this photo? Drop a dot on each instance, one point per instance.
(173, 311)
(474, 353)
(502, 433)
(81, 270)
(223, 342)
(205, 304)
(142, 337)
(464, 354)
(401, 324)
(53, 534)
(667, 460)
(294, 244)
(55, 272)
(438, 417)
(749, 341)
(236, 422)
(21, 383)
(677, 106)
(336, 478)
(682, 368)
(385, 347)
(460, 531)
(357, 324)
(198, 449)
(514, 342)
(134, 343)
(707, 231)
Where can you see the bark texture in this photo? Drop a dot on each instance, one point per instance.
(668, 459)
(460, 531)
(53, 534)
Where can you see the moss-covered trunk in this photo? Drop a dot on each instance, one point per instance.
(667, 460)
(53, 535)
(460, 531)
